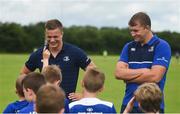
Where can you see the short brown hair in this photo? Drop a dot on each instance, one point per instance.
(142, 18)
(93, 80)
(52, 73)
(149, 97)
(50, 99)
(53, 24)
(34, 81)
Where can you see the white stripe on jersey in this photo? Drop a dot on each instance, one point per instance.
(90, 102)
(135, 62)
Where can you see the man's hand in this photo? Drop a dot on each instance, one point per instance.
(142, 70)
(122, 72)
(75, 96)
(155, 74)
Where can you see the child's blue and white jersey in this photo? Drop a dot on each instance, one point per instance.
(15, 106)
(91, 105)
(28, 109)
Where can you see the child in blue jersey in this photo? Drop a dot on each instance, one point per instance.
(50, 99)
(21, 103)
(31, 83)
(92, 84)
(149, 98)
(53, 75)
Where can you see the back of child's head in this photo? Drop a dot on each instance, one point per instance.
(93, 80)
(149, 97)
(50, 99)
(52, 73)
(34, 81)
(19, 86)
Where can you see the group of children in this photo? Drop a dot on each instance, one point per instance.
(40, 93)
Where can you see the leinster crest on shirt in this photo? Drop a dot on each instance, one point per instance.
(66, 58)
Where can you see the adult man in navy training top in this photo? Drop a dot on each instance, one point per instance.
(68, 57)
(146, 59)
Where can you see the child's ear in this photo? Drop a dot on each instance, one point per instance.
(62, 34)
(30, 91)
(148, 27)
(58, 82)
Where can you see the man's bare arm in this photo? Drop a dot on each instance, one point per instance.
(25, 70)
(155, 74)
(91, 65)
(122, 72)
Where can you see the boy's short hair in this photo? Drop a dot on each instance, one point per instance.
(34, 81)
(50, 99)
(52, 73)
(93, 80)
(142, 18)
(149, 97)
(19, 86)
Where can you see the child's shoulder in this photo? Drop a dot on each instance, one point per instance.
(91, 101)
(15, 106)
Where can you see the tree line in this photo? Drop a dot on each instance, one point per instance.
(15, 38)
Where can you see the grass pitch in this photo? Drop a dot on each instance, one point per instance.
(10, 65)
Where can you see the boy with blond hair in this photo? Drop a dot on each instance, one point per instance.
(149, 98)
(92, 83)
(52, 74)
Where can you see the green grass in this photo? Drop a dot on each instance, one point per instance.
(10, 65)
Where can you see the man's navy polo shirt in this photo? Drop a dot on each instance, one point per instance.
(155, 52)
(69, 59)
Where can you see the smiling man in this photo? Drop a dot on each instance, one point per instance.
(146, 59)
(68, 57)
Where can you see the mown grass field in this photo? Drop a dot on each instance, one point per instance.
(10, 65)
